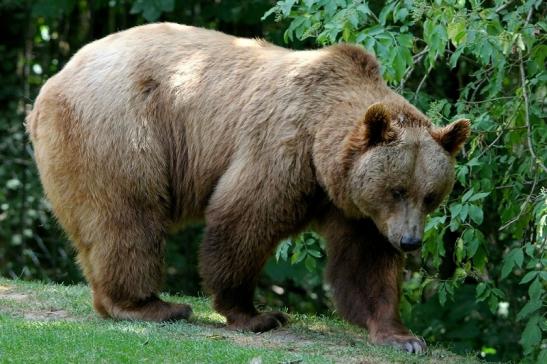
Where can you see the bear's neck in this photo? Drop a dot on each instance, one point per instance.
(328, 153)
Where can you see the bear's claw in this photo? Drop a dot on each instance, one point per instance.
(178, 311)
(262, 322)
(410, 344)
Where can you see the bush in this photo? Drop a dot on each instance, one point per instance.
(485, 247)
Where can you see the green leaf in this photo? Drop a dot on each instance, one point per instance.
(314, 253)
(455, 57)
(297, 257)
(467, 195)
(507, 267)
(455, 210)
(269, 12)
(386, 11)
(498, 292)
(442, 294)
(471, 247)
(363, 9)
(459, 250)
(283, 250)
(535, 290)
(286, 6)
(531, 336)
(478, 196)
(434, 222)
(528, 277)
(476, 214)
(481, 289)
(493, 303)
(353, 18)
(401, 14)
(310, 263)
(398, 64)
(485, 52)
(406, 40)
(428, 30)
(529, 308)
(519, 257)
(529, 249)
(457, 32)
(515, 256)
(464, 212)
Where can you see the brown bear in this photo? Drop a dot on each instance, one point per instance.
(162, 123)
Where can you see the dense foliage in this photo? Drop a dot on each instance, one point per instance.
(484, 61)
(480, 282)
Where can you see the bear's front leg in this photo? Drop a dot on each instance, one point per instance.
(364, 271)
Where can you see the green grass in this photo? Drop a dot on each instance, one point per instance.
(51, 323)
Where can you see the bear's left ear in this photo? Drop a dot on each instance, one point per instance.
(377, 125)
(373, 129)
(453, 136)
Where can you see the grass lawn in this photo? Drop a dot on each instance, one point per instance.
(49, 323)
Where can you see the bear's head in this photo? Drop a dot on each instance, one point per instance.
(400, 169)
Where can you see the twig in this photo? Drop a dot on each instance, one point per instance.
(415, 60)
(418, 56)
(502, 130)
(523, 206)
(491, 144)
(375, 17)
(529, 15)
(527, 115)
(421, 84)
(503, 6)
(514, 184)
(477, 88)
(489, 100)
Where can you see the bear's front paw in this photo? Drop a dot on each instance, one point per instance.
(408, 343)
(262, 322)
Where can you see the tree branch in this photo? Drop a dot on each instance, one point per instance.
(503, 6)
(421, 84)
(523, 206)
(535, 159)
(415, 60)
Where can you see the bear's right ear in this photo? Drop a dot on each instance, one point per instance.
(377, 125)
(453, 136)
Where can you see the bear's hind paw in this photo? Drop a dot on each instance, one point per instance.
(261, 322)
(155, 310)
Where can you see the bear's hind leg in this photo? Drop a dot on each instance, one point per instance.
(125, 260)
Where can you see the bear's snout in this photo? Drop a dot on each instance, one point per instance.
(409, 243)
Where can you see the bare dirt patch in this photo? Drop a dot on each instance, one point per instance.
(46, 315)
(8, 293)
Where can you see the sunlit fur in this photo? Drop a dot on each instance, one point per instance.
(151, 127)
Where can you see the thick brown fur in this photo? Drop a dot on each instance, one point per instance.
(163, 123)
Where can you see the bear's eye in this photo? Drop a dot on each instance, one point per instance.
(398, 193)
(429, 199)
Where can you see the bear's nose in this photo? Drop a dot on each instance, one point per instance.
(409, 243)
